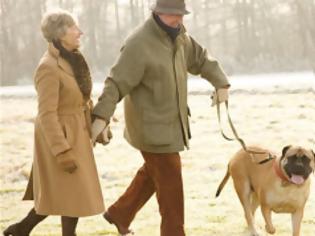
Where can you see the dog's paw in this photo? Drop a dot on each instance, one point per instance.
(270, 229)
(253, 232)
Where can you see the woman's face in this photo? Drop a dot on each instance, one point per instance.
(71, 40)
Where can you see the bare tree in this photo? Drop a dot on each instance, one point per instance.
(246, 35)
(305, 13)
(4, 41)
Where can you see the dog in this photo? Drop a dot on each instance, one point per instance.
(280, 184)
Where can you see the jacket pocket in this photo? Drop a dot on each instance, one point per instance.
(157, 133)
(158, 129)
(68, 134)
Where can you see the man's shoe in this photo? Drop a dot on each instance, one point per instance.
(121, 229)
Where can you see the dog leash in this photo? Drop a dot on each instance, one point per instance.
(241, 141)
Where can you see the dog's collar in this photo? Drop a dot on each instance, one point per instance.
(279, 172)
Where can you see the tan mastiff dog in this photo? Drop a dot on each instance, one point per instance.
(281, 185)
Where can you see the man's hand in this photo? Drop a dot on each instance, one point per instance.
(67, 161)
(219, 96)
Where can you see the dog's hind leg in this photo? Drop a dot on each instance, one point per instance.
(254, 203)
(243, 190)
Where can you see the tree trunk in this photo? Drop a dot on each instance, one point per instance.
(4, 34)
(118, 30)
(307, 28)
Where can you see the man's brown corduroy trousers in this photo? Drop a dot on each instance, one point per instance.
(160, 174)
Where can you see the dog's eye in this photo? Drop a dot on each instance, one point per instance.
(305, 159)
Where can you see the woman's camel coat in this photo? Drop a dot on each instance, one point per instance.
(62, 123)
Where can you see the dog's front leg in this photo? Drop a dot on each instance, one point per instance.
(296, 221)
(266, 212)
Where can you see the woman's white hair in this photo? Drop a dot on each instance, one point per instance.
(55, 23)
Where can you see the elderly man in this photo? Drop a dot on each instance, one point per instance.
(151, 75)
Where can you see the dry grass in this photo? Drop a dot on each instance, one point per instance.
(270, 120)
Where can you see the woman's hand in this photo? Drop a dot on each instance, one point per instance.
(98, 126)
(67, 161)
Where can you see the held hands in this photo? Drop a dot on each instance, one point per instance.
(219, 96)
(105, 137)
(101, 132)
(67, 161)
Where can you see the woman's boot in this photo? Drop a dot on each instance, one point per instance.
(25, 226)
(69, 225)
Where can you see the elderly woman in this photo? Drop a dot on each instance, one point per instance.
(64, 179)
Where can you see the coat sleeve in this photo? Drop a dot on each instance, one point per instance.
(47, 86)
(199, 63)
(125, 75)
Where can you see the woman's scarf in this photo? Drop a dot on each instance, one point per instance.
(80, 69)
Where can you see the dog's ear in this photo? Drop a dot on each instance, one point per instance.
(285, 149)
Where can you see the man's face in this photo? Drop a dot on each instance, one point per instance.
(172, 20)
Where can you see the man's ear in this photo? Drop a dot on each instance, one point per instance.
(284, 150)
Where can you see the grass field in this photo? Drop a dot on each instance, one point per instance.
(268, 120)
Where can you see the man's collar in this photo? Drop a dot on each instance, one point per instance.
(171, 31)
(162, 34)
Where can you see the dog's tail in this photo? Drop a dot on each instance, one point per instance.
(223, 182)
